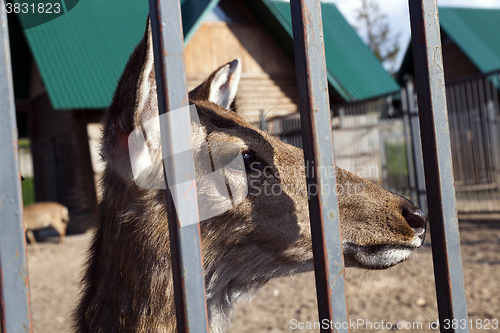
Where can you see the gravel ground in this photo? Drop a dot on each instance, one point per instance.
(403, 294)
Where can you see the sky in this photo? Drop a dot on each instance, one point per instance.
(398, 14)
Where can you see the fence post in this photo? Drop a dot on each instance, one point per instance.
(185, 241)
(409, 146)
(318, 153)
(492, 118)
(263, 120)
(416, 144)
(15, 310)
(426, 43)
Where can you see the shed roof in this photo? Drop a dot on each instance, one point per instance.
(474, 31)
(352, 69)
(82, 53)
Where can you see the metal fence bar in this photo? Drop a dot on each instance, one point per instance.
(15, 311)
(417, 147)
(409, 146)
(493, 129)
(187, 266)
(318, 152)
(435, 136)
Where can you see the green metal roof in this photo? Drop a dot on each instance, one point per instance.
(353, 70)
(476, 33)
(82, 53)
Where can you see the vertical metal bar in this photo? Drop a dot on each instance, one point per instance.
(264, 126)
(386, 182)
(15, 310)
(485, 130)
(468, 137)
(463, 125)
(475, 156)
(494, 112)
(318, 152)
(397, 152)
(494, 137)
(487, 137)
(441, 201)
(409, 148)
(479, 135)
(477, 132)
(187, 266)
(417, 146)
(462, 110)
(455, 135)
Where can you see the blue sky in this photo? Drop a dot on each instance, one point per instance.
(398, 15)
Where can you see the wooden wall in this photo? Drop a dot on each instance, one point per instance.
(456, 64)
(268, 74)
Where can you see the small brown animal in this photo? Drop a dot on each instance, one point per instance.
(45, 214)
(128, 287)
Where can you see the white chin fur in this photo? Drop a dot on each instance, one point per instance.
(387, 258)
(378, 257)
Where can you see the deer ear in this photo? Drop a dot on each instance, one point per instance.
(134, 102)
(146, 97)
(221, 85)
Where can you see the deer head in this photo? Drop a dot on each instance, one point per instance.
(263, 233)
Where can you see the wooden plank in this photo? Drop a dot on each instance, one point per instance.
(216, 43)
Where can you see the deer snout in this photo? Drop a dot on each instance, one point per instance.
(416, 220)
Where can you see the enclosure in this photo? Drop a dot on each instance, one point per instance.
(377, 138)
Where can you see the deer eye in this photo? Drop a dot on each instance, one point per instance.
(248, 159)
(251, 162)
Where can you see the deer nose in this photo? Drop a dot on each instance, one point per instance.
(416, 220)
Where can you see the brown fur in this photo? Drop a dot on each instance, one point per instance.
(127, 285)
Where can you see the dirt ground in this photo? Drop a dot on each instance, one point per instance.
(404, 294)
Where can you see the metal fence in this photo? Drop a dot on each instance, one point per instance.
(317, 141)
(473, 110)
(374, 140)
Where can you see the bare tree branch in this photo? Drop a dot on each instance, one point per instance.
(381, 42)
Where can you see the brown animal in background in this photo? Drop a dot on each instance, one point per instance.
(127, 286)
(45, 214)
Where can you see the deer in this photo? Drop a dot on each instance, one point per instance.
(45, 214)
(127, 284)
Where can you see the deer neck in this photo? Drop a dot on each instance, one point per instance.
(134, 291)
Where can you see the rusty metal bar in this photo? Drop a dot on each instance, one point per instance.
(436, 148)
(185, 244)
(318, 153)
(15, 310)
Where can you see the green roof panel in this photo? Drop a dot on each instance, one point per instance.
(353, 70)
(475, 31)
(82, 53)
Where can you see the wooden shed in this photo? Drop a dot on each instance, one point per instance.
(470, 43)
